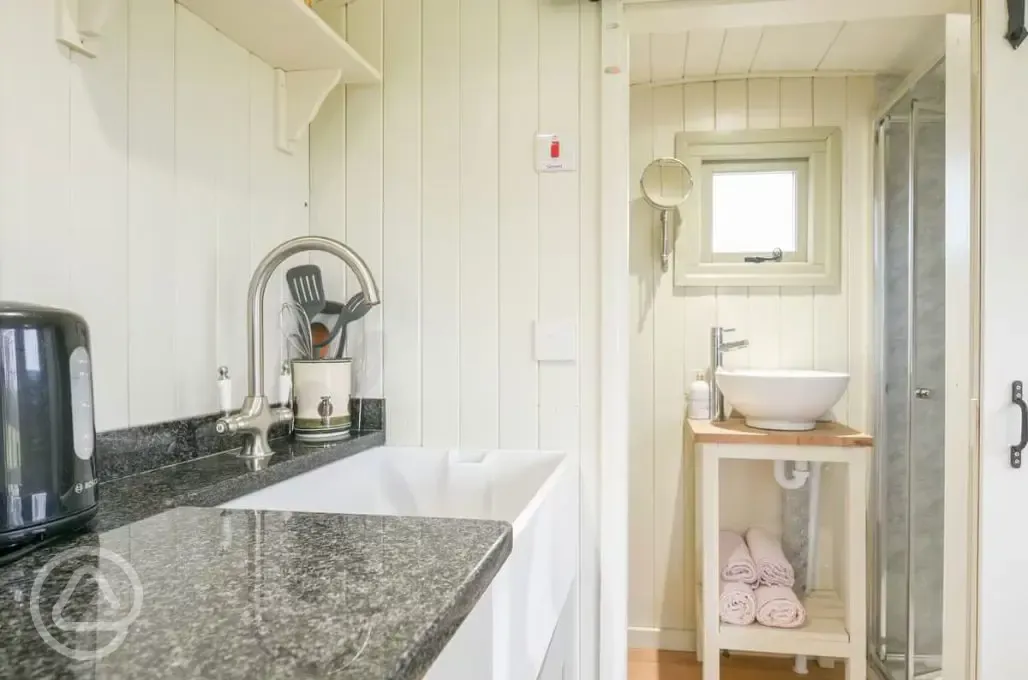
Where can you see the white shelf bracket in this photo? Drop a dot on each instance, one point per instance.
(80, 23)
(298, 98)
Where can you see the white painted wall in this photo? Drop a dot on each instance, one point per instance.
(139, 189)
(431, 177)
(825, 328)
(470, 244)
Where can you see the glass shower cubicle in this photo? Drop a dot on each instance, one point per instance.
(905, 617)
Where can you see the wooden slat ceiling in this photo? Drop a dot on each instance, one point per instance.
(896, 45)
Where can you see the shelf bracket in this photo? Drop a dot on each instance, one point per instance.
(298, 98)
(80, 24)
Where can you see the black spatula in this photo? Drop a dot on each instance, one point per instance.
(307, 288)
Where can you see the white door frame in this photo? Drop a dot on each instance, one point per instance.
(1003, 491)
(964, 280)
(614, 281)
(961, 359)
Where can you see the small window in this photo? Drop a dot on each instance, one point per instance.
(760, 192)
(755, 209)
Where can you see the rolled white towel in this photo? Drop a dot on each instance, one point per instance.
(773, 569)
(737, 603)
(736, 564)
(778, 607)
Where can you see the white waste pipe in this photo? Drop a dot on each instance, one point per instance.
(799, 475)
(813, 524)
(813, 527)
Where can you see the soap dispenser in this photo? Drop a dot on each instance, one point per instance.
(699, 398)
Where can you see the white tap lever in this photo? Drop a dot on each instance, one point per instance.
(285, 385)
(224, 390)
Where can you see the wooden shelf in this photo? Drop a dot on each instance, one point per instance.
(736, 431)
(309, 56)
(823, 634)
(286, 34)
(80, 24)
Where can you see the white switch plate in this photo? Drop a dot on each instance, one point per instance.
(546, 144)
(556, 341)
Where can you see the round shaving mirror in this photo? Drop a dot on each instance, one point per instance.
(666, 183)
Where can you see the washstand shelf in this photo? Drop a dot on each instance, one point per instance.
(836, 618)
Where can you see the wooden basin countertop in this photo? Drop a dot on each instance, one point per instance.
(736, 431)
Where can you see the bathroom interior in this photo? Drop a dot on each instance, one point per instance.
(708, 105)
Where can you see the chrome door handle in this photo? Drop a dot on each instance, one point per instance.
(923, 393)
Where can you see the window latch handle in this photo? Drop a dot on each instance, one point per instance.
(776, 256)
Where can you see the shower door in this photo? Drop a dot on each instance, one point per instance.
(907, 588)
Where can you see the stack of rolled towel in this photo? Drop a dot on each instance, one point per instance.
(756, 581)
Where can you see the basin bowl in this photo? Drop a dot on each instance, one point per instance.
(782, 399)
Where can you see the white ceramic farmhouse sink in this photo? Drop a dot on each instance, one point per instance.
(782, 399)
(507, 635)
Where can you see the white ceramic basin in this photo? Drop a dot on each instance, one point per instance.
(782, 399)
(507, 634)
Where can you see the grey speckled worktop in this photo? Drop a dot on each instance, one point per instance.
(247, 594)
(213, 480)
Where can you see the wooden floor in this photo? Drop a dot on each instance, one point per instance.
(647, 664)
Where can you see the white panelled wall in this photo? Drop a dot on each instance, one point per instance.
(431, 177)
(140, 189)
(824, 328)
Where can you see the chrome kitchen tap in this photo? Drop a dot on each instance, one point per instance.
(718, 347)
(256, 416)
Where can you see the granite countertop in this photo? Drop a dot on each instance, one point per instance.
(216, 479)
(240, 593)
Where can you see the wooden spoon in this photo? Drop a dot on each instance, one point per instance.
(320, 334)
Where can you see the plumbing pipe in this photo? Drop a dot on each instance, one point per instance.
(799, 474)
(813, 527)
(800, 667)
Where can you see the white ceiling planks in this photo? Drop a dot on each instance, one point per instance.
(667, 56)
(639, 59)
(795, 48)
(739, 49)
(653, 17)
(894, 45)
(703, 52)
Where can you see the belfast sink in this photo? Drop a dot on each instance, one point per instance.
(782, 399)
(507, 635)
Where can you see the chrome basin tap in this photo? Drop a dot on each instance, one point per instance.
(256, 416)
(718, 347)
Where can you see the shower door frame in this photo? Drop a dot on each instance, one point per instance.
(876, 625)
(962, 352)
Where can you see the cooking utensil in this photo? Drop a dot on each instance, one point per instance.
(355, 308)
(321, 338)
(307, 288)
(296, 328)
